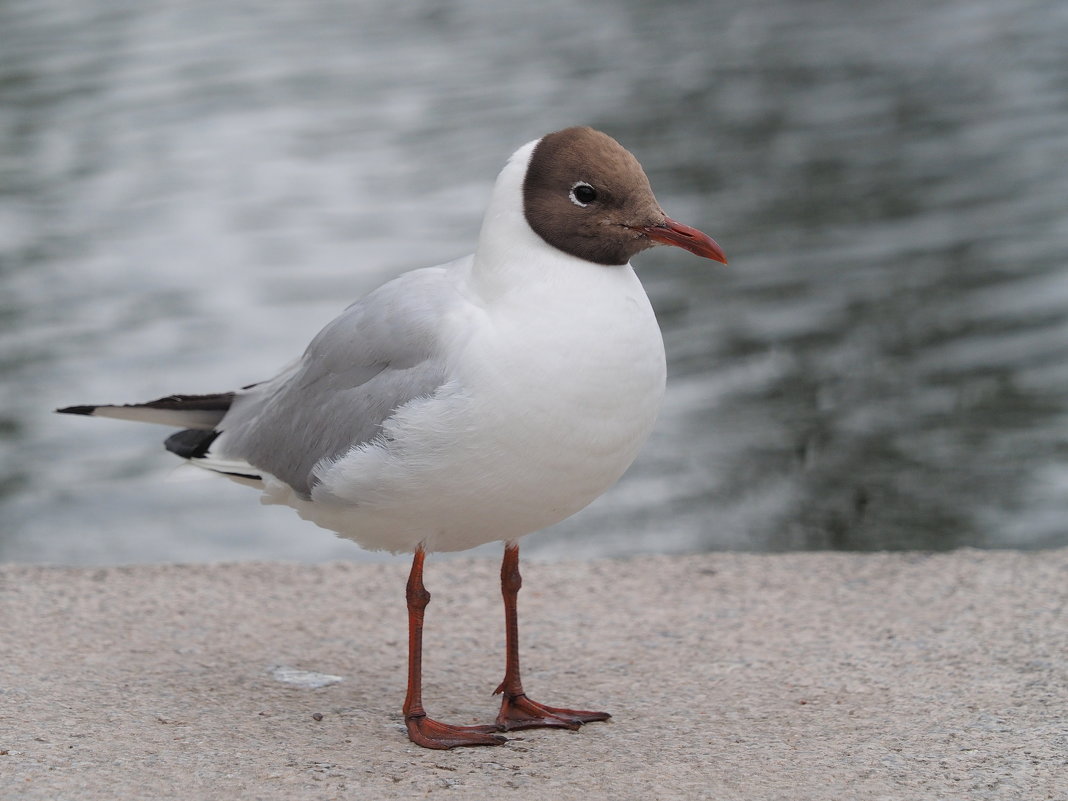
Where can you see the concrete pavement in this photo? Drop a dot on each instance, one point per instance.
(730, 676)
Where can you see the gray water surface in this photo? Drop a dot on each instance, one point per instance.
(189, 190)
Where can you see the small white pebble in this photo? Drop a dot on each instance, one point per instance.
(305, 679)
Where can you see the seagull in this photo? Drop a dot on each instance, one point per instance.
(476, 401)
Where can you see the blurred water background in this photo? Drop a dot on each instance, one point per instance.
(189, 190)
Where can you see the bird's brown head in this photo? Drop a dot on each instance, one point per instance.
(586, 195)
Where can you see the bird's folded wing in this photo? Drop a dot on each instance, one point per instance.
(378, 355)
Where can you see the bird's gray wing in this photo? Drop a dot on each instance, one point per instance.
(378, 355)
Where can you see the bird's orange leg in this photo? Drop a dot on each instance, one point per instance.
(423, 730)
(518, 711)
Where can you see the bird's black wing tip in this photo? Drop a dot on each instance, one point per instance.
(76, 410)
(192, 443)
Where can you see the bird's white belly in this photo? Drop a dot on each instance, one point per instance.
(493, 455)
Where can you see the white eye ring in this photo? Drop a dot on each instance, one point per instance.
(582, 185)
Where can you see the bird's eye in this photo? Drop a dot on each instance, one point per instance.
(582, 194)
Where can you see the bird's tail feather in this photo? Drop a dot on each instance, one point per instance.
(185, 411)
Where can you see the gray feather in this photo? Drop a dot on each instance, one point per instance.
(188, 411)
(378, 355)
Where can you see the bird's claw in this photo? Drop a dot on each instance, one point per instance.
(520, 712)
(431, 733)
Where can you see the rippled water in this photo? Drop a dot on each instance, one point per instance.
(188, 192)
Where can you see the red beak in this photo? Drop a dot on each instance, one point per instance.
(682, 236)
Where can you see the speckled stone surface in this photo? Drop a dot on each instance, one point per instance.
(796, 676)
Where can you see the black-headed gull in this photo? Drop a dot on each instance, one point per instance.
(479, 400)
